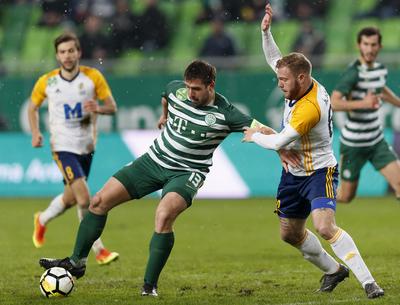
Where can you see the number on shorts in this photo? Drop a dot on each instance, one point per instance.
(69, 172)
(196, 180)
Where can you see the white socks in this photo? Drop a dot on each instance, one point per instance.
(98, 244)
(345, 248)
(312, 251)
(55, 208)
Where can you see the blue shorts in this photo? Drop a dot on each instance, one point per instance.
(299, 195)
(73, 166)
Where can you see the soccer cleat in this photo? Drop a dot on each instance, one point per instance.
(149, 290)
(373, 291)
(330, 281)
(105, 257)
(38, 231)
(65, 263)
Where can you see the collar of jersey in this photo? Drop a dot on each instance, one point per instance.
(69, 80)
(293, 102)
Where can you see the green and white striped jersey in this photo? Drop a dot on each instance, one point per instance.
(362, 127)
(192, 134)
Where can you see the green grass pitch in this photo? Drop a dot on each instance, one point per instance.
(226, 252)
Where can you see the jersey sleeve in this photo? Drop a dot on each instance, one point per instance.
(38, 94)
(305, 117)
(102, 89)
(347, 81)
(237, 119)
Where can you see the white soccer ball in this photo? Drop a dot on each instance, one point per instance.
(56, 282)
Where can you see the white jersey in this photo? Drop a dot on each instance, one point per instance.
(311, 117)
(71, 128)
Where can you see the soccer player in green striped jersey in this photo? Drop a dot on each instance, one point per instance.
(196, 119)
(359, 93)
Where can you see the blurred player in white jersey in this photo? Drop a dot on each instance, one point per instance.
(311, 188)
(72, 92)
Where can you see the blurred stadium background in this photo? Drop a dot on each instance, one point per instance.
(141, 45)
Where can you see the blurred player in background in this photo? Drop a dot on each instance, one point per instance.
(72, 92)
(196, 119)
(359, 92)
(310, 188)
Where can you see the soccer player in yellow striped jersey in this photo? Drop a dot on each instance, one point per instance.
(310, 189)
(72, 92)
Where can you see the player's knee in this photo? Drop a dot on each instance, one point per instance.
(345, 198)
(69, 204)
(98, 205)
(164, 220)
(291, 238)
(326, 231)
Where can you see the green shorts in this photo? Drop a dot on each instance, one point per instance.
(144, 176)
(352, 159)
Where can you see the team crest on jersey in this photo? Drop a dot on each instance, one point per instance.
(210, 119)
(181, 94)
(52, 81)
(81, 89)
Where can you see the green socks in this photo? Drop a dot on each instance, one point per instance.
(160, 247)
(90, 229)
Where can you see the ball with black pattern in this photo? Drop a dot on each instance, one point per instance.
(56, 282)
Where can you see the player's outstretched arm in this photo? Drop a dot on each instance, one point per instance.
(273, 141)
(33, 117)
(271, 50)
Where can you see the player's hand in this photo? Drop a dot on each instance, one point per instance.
(37, 140)
(91, 106)
(289, 157)
(266, 21)
(248, 133)
(162, 121)
(371, 101)
(266, 130)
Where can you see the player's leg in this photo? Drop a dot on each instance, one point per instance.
(323, 207)
(56, 207)
(344, 247)
(123, 186)
(90, 228)
(293, 211)
(347, 191)
(391, 172)
(293, 231)
(385, 160)
(352, 160)
(177, 195)
(162, 241)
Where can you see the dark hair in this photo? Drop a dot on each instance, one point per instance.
(65, 38)
(202, 70)
(296, 62)
(369, 31)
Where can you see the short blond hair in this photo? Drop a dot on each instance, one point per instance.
(296, 62)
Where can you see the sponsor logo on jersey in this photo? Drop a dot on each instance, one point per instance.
(181, 94)
(210, 119)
